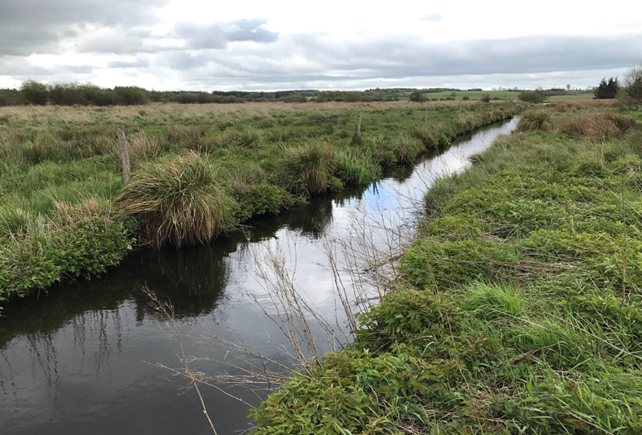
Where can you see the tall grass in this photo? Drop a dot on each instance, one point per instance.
(309, 168)
(51, 155)
(180, 200)
(597, 126)
(532, 121)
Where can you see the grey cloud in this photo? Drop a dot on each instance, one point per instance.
(398, 59)
(400, 56)
(182, 60)
(218, 35)
(35, 26)
(141, 62)
(251, 30)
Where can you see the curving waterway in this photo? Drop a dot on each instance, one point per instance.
(86, 357)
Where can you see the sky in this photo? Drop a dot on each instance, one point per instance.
(347, 44)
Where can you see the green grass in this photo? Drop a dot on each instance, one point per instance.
(518, 308)
(198, 170)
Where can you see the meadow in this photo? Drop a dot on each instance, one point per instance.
(199, 171)
(504, 95)
(517, 309)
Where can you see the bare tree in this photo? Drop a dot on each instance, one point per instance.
(630, 92)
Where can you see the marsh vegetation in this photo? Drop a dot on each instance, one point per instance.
(198, 172)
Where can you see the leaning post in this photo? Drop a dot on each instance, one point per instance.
(124, 154)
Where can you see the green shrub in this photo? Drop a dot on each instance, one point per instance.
(262, 199)
(535, 97)
(85, 248)
(406, 313)
(181, 201)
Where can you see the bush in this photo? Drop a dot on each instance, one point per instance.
(309, 168)
(485, 98)
(34, 93)
(260, 199)
(630, 93)
(81, 249)
(417, 97)
(465, 98)
(131, 95)
(535, 97)
(180, 201)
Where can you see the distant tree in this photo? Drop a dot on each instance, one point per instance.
(9, 97)
(453, 94)
(630, 93)
(485, 98)
(568, 88)
(606, 90)
(131, 95)
(535, 97)
(294, 98)
(34, 93)
(417, 96)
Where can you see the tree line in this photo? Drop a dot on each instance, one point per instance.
(86, 94)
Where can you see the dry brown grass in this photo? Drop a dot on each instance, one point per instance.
(123, 114)
(579, 104)
(597, 126)
(143, 147)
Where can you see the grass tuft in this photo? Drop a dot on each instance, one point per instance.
(181, 201)
(309, 168)
(535, 121)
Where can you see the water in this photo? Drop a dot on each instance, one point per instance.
(84, 357)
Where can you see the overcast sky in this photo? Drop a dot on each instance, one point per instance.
(347, 44)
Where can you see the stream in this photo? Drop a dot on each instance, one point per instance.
(92, 357)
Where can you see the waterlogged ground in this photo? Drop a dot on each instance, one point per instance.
(84, 358)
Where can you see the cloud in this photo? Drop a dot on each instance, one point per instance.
(38, 26)
(218, 35)
(140, 62)
(130, 40)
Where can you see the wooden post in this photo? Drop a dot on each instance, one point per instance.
(124, 154)
(359, 126)
(426, 120)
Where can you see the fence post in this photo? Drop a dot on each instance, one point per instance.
(359, 126)
(426, 120)
(124, 154)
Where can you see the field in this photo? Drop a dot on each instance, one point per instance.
(505, 95)
(584, 96)
(198, 172)
(518, 307)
